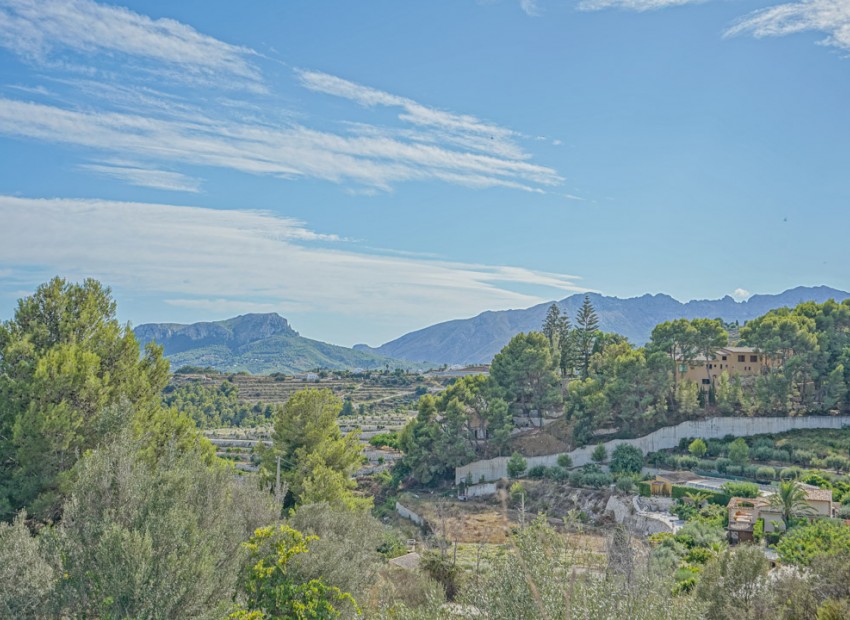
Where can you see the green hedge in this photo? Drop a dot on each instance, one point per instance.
(679, 491)
(714, 497)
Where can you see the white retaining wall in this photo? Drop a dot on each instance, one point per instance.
(409, 514)
(662, 439)
(481, 490)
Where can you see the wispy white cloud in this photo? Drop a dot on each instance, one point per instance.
(38, 29)
(202, 256)
(292, 151)
(740, 294)
(146, 177)
(112, 107)
(530, 7)
(462, 129)
(831, 17)
(633, 5)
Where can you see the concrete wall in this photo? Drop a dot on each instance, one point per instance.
(481, 490)
(663, 438)
(409, 514)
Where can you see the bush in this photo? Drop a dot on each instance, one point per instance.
(838, 463)
(741, 489)
(706, 465)
(762, 453)
(565, 461)
(739, 451)
(538, 471)
(802, 457)
(626, 484)
(783, 456)
(599, 454)
(765, 473)
(803, 543)
(698, 448)
(722, 464)
(516, 465)
(790, 473)
(687, 462)
(556, 473)
(716, 447)
(626, 458)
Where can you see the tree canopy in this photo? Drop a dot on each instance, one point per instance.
(316, 460)
(64, 360)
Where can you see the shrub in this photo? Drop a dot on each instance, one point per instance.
(516, 465)
(802, 457)
(626, 458)
(538, 471)
(739, 451)
(741, 489)
(565, 461)
(706, 465)
(626, 484)
(687, 462)
(715, 447)
(783, 456)
(820, 536)
(790, 473)
(762, 453)
(838, 463)
(765, 473)
(599, 454)
(698, 448)
(722, 464)
(556, 473)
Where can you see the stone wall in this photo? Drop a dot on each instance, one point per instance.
(664, 438)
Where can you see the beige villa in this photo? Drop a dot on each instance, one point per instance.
(744, 512)
(735, 361)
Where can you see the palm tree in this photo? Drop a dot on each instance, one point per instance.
(697, 497)
(790, 498)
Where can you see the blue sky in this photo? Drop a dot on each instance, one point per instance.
(370, 168)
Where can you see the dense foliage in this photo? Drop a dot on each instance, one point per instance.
(216, 407)
(316, 461)
(64, 360)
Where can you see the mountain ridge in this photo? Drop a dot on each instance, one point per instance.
(258, 343)
(477, 339)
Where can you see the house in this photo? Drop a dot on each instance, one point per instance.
(820, 500)
(734, 361)
(744, 512)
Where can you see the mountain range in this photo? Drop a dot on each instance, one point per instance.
(478, 339)
(257, 343)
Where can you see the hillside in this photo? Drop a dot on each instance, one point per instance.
(256, 343)
(478, 339)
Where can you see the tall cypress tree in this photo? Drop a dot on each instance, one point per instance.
(587, 324)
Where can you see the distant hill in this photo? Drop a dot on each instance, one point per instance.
(477, 340)
(257, 343)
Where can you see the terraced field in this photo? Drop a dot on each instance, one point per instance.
(381, 403)
(378, 393)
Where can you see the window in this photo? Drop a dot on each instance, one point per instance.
(705, 381)
(742, 358)
(724, 358)
(754, 358)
